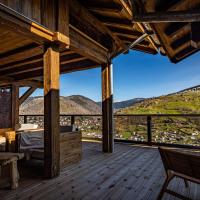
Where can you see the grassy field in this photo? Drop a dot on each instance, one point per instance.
(187, 103)
(181, 130)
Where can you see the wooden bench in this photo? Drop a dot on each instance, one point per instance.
(8, 167)
(179, 163)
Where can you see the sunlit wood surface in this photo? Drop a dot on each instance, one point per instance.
(131, 172)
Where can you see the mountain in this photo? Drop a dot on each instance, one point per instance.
(127, 103)
(185, 102)
(75, 104)
(124, 104)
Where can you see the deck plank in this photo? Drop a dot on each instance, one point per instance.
(131, 172)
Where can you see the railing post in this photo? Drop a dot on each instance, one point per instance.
(25, 119)
(149, 135)
(72, 120)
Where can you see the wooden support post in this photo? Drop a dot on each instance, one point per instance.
(25, 119)
(51, 113)
(107, 108)
(72, 120)
(149, 136)
(15, 106)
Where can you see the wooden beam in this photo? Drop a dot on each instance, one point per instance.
(107, 108)
(31, 83)
(21, 83)
(106, 9)
(67, 68)
(117, 23)
(51, 113)
(145, 49)
(28, 61)
(20, 54)
(15, 106)
(129, 10)
(79, 12)
(169, 16)
(38, 65)
(150, 38)
(136, 42)
(20, 24)
(63, 17)
(85, 46)
(26, 94)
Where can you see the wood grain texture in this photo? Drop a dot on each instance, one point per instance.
(131, 172)
(15, 106)
(107, 108)
(70, 148)
(51, 113)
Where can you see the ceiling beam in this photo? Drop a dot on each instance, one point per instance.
(106, 10)
(20, 54)
(39, 65)
(24, 83)
(28, 61)
(129, 10)
(78, 10)
(86, 46)
(67, 68)
(169, 16)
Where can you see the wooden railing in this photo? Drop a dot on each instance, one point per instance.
(148, 120)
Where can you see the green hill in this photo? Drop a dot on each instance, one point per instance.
(167, 129)
(181, 103)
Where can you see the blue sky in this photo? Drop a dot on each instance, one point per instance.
(135, 75)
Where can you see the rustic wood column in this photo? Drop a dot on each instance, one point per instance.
(15, 106)
(51, 113)
(107, 108)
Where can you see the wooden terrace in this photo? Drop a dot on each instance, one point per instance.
(131, 172)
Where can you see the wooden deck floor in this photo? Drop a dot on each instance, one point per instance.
(132, 172)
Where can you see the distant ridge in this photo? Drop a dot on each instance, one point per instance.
(182, 102)
(75, 104)
(127, 103)
(193, 88)
(124, 104)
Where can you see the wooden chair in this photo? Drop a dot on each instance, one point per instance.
(182, 164)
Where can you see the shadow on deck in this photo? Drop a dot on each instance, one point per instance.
(131, 172)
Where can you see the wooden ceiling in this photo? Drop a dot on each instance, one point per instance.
(98, 30)
(117, 16)
(178, 39)
(22, 58)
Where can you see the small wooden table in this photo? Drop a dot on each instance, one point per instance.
(9, 160)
